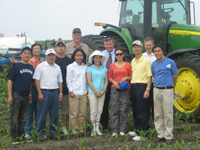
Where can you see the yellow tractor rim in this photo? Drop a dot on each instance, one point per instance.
(188, 86)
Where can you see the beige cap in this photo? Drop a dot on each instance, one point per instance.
(50, 51)
(137, 42)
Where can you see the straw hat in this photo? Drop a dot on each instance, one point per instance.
(98, 53)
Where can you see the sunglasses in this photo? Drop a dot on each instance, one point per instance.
(119, 54)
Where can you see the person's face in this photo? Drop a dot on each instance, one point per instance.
(137, 49)
(36, 50)
(26, 55)
(97, 60)
(109, 45)
(50, 58)
(148, 46)
(60, 48)
(158, 53)
(119, 55)
(77, 37)
(78, 57)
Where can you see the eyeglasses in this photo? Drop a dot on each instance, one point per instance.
(61, 46)
(36, 49)
(119, 54)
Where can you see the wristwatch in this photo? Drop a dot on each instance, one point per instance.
(61, 93)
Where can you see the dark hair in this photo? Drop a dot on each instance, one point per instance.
(148, 39)
(35, 44)
(79, 50)
(121, 49)
(93, 59)
(109, 39)
(158, 45)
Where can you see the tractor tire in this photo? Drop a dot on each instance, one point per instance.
(188, 85)
(95, 42)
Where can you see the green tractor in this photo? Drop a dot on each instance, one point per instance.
(169, 23)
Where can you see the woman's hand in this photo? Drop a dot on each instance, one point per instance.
(123, 79)
(116, 85)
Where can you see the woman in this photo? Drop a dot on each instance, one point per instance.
(77, 86)
(119, 73)
(98, 82)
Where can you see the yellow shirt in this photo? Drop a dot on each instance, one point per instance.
(141, 70)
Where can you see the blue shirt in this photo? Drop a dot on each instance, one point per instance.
(107, 54)
(163, 72)
(97, 77)
(21, 75)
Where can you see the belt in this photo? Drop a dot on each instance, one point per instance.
(167, 87)
(22, 94)
(51, 90)
(138, 84)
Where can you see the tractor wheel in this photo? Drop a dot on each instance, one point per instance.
(188, 85)
(95, 42)
(119, 42)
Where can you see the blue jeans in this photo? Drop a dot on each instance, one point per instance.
(31, 109)
(50, 104)
(18, 114)
(140, 107)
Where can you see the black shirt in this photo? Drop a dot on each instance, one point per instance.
(63, 63)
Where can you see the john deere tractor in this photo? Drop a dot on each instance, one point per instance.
(169, 23)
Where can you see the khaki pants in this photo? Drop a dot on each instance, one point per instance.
(77, 112)
(163, 112)
(96, 106)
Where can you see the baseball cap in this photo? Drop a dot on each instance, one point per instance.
(25, 47)
(76, 30)
(124, 86)
(59, 42)
(50, 51)
(137, 42)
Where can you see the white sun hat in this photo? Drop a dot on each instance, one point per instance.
(98, 53)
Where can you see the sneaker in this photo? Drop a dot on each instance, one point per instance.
(132, 133)
(27, 136)
(93, 133)
(45, 137)
(15, 142)
(99, 132)
(137, 138)
(114, 134)
(64, 130)
(122, 133)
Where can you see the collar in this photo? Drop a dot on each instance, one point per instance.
(34, 60)
(147, 54)
(141, 58)
(47, 64)
(75, 46)
(93, 66)
(75, 63)
(112, 53)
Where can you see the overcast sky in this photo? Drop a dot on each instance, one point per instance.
(53, 19)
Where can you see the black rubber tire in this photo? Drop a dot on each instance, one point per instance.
(192, 62)
(96, 42)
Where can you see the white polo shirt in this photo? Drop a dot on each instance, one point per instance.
(76, 78)
(49, 76)
(151, 57)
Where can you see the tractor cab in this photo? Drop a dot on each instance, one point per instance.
(153, 17)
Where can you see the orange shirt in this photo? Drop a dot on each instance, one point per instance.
(34, 63)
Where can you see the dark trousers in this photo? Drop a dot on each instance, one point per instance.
(18, 114)
(105, 113)
(140, 107)
(151, 103)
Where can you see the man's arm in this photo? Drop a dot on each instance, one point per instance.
(40, 95)
(146, 93)
(60, 85)
(30, 94)
(175, 77)
(10, 98)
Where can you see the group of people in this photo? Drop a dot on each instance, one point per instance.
(71, 72)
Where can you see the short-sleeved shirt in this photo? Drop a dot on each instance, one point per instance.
(151, 57)
(107, 54)
(70, 48)
(97, 78)
(49, 76)
(141, 70)
(118, 73)
(163, 72)
(63, 63)
(21, 75)
(76, 78)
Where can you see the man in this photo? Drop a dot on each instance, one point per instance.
(34, 61)
(63, 61)
(48, 81)
(148, 45)
(165, 73)
(19, 93)
(140, 87)
(76, 43)
(110, 53)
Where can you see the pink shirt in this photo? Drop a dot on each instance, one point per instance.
(118, 73)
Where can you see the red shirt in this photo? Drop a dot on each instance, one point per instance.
(118, 73)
